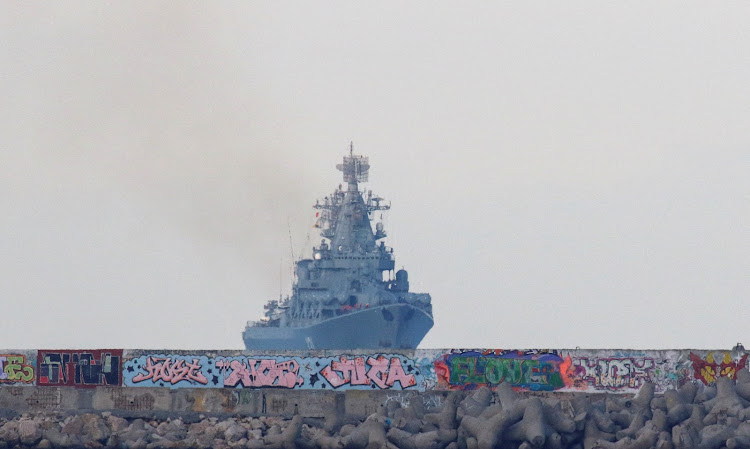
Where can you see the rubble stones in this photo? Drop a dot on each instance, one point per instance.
(692, 417)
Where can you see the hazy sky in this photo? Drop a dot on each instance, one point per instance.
(561, 173)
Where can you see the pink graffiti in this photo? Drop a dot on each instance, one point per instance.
(382, 372)
(163, 368)
(261, 373)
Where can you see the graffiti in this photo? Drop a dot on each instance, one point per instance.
(251, 373)
(619, 371)
(15, 368)
(429, 401)
(84, 368)
(382, 372)
(169, 370)
(473, 369)
(426, 367)
(612, 373)
(201, 371)
(716, 364)
(172, 371)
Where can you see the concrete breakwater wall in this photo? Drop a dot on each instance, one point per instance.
(404, 399)
(559, 370)
(142, 382)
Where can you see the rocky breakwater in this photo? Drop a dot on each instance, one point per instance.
(694, 416)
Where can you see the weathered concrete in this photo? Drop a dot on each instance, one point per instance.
(693, 417)
(621, 371)
(451, 398)
(148, 402)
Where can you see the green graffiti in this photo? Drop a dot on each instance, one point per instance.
(509, 370)
(464, 371)
(15, 370)
(494, 370)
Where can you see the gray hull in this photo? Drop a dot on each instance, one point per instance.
(399, 326)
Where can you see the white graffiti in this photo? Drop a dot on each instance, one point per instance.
(613, 373)
(429, 401)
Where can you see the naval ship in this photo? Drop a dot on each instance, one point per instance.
(346, 296)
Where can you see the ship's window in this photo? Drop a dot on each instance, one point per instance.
(352, 301)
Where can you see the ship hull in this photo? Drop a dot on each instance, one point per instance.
(400, 326)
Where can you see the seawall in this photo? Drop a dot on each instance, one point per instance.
(422, 399)
(137, 382)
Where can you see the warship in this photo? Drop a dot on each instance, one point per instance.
(346, 296)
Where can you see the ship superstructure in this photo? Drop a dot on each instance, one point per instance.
(347, 295)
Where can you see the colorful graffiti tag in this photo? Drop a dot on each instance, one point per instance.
(380, 371)
(199, 371)
(79, 368)
(536, 371)
(611, 373)
(164, 369)
(716, 364)
(160, 370)
(257, 373)
(576, 370)
(15, 368)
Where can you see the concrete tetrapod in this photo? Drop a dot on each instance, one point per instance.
(695, 416)
(726, 402)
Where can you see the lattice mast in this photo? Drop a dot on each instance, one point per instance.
(355, 169)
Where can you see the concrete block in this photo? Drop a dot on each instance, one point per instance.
(286, 403)
(359, 403)
(39, 399)
(204, 400)
(131, 399)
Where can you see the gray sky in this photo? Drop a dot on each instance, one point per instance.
(562, 174)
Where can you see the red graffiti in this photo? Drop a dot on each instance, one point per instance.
(79, 368)
(261, 373)
(382, 372)
(164, 369)
(708, 370)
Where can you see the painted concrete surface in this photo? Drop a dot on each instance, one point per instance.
(146, 382)
(561, 370)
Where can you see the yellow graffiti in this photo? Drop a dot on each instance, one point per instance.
(708, 373)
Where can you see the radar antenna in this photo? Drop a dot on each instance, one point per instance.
(354, 167)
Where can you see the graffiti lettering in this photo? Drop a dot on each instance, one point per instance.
(171, 370)
(383, 372)
(260, 373)
(80, 368)
(708, 370)
(166, 370)
(14, 368)
(469, 370)
(613, 373)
